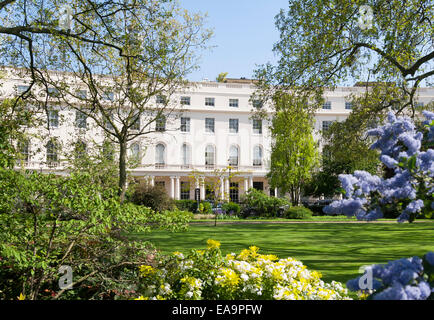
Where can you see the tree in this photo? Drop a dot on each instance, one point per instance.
(47, 222)
(123, 56)
(325, 43)
(222, 77)
(294, 152)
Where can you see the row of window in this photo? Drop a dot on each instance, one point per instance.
(160, 124)
(209, 155)
(328, 105)
(52, 149)
(160, 99)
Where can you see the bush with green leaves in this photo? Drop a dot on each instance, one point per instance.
(231, 208)
(257, 203)
(207, 274)
(48, 221)
(204, 208)
(154, 197)
(186, 205)
(297, 213)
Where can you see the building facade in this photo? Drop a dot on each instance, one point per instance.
(210, 140)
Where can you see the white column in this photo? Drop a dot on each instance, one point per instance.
(202, 188)
(246, 184)
(222, 189)
(172, 187)
(152, 181)
(275, 192)
(250, 182)
(177, 188)
(227, 187)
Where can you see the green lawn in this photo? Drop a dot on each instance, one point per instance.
(336, 250)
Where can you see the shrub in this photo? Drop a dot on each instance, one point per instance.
(77, 224)
(207, 274)
(186, 205)
(257, 203)
(154, 197)
(407, 152)
(403, 279)
(298, 213)
(231, 208)
(205, 207)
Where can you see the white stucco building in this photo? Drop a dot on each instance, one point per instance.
(212, 130)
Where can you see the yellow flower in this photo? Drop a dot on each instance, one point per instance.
(212, 244)
(142, 298)
(244, 254)
(22, 297)
(229, 278)
(230, 256)
(201, 252)
(270, 257)
(146, 271)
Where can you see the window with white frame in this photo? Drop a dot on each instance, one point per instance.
(185, 101)
(53, 118)
(233, 103)
(185, 190)
(326, 125)
(80, 119)
(23, 149)
(186, 155)
(209, 125)
(257, 104)
(108, 96)
(257, 126)
(233, 125)
(327, 105)
(22, 88)
(233, 156)
(160, 124)
(160, 155)
(185, 124)
(161, 99)
(348, 105)
(210, 102)
(80, 149)
(136, 123)
(53, 92)
(210, 155)
(52, 151)
(257, 156)
(135, 151)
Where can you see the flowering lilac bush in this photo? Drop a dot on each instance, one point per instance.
(408, 152)
(403, 279)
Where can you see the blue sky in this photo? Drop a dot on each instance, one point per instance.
(244, 34)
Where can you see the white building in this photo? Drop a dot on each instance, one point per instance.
(213, 131)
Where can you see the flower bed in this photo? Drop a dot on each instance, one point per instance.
(207, 274)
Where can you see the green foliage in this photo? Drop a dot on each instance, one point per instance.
(154, 197)
(13, 117)
(294, 152)
(231, 208)
(222, 77)
(186, 205)
(297, 213)
(257, 203)
(48, 221)
(205, 207)
(207, 274)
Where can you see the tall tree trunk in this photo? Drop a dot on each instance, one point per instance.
(122, 170)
